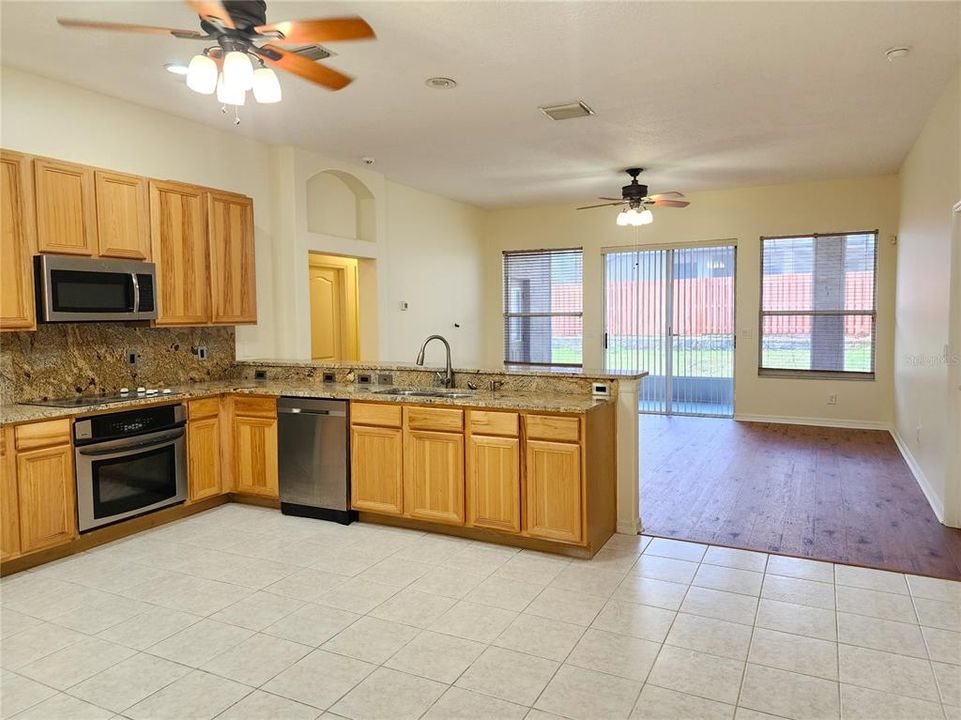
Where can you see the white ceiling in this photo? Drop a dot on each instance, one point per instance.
(705, 95)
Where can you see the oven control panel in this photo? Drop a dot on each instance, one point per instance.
(127, 424)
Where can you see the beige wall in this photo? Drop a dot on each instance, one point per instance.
(743, 215)
(926, 351)
(424, 244)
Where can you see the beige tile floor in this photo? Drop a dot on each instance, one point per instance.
(242, 612)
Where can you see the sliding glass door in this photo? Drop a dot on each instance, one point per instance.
(670, 312)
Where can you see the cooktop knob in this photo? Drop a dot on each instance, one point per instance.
(124, 391)
(141, 390)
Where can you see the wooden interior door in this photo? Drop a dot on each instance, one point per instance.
(376, 469)
(123, 223)
(45, 485)
(494, 483)
(17, 306)
(327, 313)
(554, 506)
(434, 483)
(66, 207)
(233, 282)
(178, 233)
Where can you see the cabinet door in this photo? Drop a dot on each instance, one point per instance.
(233, 286)
(66, 211)
(46, 490)
(203, 458)
(255, 456)
(9, 508)
(17, 307)
(178, 236)
(494, 483)
(123, 225)
(434, 482)
(376, 469)
(554, 491)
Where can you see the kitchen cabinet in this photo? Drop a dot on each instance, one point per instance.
(178, 234)
(123, 223)
(434, 476)
(9, 507)
(17, 305)
(494, 483)
(230, 236)
(204, 465)
(377, 469)
(553, 498)
(65, 206)
(254, 446)
(45, 485)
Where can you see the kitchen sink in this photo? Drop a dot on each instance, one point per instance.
(424, 392)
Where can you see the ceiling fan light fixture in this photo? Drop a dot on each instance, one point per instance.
(623, 220)
(266, 86)
(228, 95)
(645, 217)
(238, 72)
(202, 75)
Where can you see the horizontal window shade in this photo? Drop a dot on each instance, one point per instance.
(543, 307)
(818, 303)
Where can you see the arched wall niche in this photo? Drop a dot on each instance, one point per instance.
(339, 204)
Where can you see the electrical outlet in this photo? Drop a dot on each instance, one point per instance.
(260, 374)
(833, 399)
(385, 379)
(600, 389)
(133, 357)
(363, 378)
(329, 377)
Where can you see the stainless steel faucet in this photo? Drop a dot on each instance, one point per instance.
(447, 379)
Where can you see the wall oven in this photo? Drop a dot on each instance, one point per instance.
(71, 289)
(129, 463)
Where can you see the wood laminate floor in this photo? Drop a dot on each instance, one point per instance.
(832, 494)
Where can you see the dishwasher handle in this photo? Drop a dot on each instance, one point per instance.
(301, 411)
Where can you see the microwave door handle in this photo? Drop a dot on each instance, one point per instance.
(120, 449)
(136, 292)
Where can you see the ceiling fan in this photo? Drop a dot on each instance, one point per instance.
(635, 196)
(238, 31)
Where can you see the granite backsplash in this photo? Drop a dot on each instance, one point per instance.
(59, 360)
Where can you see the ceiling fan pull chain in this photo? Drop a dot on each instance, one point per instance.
(236, 116)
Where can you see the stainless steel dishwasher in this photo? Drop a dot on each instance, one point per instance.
(313, 449)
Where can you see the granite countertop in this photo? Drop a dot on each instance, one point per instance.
(548, 402)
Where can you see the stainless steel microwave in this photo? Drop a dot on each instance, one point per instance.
(71, 289)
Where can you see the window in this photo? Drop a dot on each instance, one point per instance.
(543, 307)
(818, 304)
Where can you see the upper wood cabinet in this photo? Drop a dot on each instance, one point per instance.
(17, 305)
(123, 225)
(434, 476)
(66, 207)
(178, 231)
(554, 507)
(230, 236)
(9, 504)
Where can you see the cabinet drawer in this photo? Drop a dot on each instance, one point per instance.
(207, 407)
(484, 422)
(443, 419)
(552, 427)
(43, 434)
(375, 414)
(249, 406)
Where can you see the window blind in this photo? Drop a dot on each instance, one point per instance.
(544, 307)
(818, 311)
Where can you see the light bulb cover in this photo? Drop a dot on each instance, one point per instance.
(229, 96)
(266, 86)
(622, 219)
(645, 217)
(202, 75)
(238, 72)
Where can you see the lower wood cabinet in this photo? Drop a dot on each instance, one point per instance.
(254, 451)
(494, 483)
(377, 469)
(9, 502)
(554, 491)
(434, 476)
(204, 453)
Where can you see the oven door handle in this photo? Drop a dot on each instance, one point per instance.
(120, 449)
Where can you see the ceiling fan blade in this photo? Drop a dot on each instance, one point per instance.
(669, 203)
(214, 9)
(610, 198)
(315, 31)
(589, 207)
(659, 196)
(302, 67)
(126, 27)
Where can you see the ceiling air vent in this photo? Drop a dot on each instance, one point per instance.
(313, 52)
(567, 111)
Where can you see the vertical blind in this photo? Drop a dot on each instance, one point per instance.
(818, 303)
(544, 307)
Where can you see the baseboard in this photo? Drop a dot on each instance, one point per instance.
(922, 480)
(817, 422)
